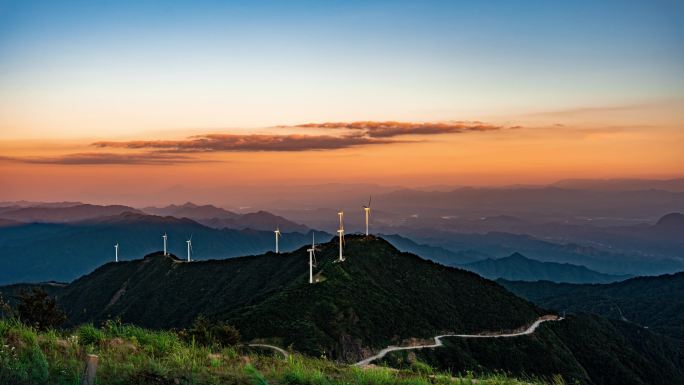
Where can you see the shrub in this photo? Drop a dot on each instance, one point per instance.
(212, 334)
(225, 335)
(39, 310)
(421, 368)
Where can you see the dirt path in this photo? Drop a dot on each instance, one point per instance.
(438, 339)
(277, 349)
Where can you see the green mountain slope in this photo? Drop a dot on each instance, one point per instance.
(585, 349)
(653, 302)
(376, 297)
(517, 267)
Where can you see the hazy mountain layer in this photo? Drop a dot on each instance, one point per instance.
(62, 252)
(653, 302)
(517, 267)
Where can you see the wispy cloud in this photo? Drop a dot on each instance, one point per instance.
(345, 135)
(248, 143)
(390, 129)
(104, 158)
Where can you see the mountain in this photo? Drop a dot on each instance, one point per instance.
(435, 253)
(517, 267)
(653, 302)
(8, 222)
(63, 214)
(219, 218)
(546, 203)
(192, 211)
(670, 225)
(676, 185)
(376, 297)
(583, 349)
(499, 245)
(260, 220)
(63, 252)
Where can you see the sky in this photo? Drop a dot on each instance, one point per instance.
(102, 96)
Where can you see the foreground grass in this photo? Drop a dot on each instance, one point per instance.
(132, 355)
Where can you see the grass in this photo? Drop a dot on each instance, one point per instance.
(129, 354)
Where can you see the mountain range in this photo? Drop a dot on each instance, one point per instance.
(63, 251)
(378, 296)
(656, 303)
(517, 267)
(219, 218)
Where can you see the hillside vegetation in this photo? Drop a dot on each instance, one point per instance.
(132, 355)
(583, 349)
(653, 302)
(378, 296)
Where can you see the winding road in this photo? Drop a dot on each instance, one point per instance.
(438, 339)
(277, 349)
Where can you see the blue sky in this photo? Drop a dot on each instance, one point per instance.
(259, 63)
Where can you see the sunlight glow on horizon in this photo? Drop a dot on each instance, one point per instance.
(596, 89)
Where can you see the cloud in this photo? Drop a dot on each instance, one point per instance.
(390, 129)
(104, 158)
(347, 135)
(248, 143)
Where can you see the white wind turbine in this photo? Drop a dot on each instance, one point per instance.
(340, 232)
(116, 252)
(367, 210)
(312, 257)
(165, 237)
(189, 242)
(277, 237)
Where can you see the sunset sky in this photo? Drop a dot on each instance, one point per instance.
(127, 96)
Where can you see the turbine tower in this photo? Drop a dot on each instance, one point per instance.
(116, 252)
(165, 237)
(340, 232)
(189, 242)
(277, 236)
(367, 210)
(312, 257)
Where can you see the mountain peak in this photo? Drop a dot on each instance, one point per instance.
(251, 292)
(517, 256)
(671, 219)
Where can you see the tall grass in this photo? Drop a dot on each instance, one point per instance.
(129, 354)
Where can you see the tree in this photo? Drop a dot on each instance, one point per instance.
(36, 308)
(207, 333)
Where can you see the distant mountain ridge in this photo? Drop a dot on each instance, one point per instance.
(219, 218)
(435, 253)
(191, 210)
(653, 302)
(63, 214)
(676, 185)
(517, 267)
(64, 251)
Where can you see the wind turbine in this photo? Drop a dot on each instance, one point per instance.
(116, 252)
(277, 236)
(340, 232)
(165, 237)
(367, 210)
(189, 242)
(312, 257)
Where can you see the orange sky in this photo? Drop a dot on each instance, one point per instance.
(620, 141)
